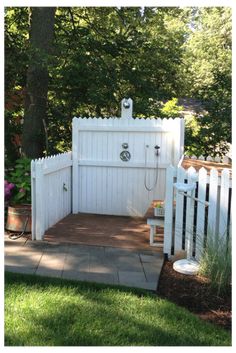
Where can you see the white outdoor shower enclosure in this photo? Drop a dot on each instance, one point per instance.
(94, 179)
(103, 183)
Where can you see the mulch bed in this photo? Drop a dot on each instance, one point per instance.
(194, 293)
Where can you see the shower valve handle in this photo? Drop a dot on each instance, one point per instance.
(157, 149)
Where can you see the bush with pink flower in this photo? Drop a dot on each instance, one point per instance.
(8, 187)
(18, 183)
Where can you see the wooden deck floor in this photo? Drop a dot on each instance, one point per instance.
(103, 230)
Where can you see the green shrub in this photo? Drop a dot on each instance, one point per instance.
(171, 109)
(20, 178)
(216, 263)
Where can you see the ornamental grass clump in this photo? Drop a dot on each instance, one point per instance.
(216, 263)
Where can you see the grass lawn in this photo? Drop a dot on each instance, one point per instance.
(53, 312)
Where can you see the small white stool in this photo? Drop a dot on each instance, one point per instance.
(153, 223)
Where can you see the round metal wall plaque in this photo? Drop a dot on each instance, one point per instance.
(125, 156)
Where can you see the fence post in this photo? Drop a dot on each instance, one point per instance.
(200, 227)
(211, 229)
(176, 132)
(182, 136)
(168, 225)
(126, 108)
(33, 199)
(181, 174)
(75, 171)
(190, 214)
(224, 200)
(39, 206)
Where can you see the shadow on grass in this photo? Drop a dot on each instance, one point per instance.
(100, 315)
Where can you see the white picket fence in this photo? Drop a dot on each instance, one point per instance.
(51, 194)
(188, 222)
(226, 159)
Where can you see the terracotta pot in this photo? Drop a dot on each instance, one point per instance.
(17, 218)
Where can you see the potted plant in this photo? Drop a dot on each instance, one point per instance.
(18, 197)
(159, 209)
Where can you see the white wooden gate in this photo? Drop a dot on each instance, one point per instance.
(105, 184)
(51, 192)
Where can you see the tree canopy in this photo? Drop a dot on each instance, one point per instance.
(207, 66)
(102, 54)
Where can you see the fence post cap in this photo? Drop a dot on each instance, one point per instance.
(126, 108)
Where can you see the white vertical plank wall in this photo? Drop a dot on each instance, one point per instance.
(102, 182)
(217, 209)
(51, 191)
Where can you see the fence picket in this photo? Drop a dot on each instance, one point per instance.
(39, 192)
(202, 183)
(212, 210)
(75, 171)
(190, 214)
(33, 199)
(168, 225)
(181, 174)
(224, 199)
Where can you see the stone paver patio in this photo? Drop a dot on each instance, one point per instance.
(104, 264)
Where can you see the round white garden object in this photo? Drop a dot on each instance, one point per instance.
(187, 267)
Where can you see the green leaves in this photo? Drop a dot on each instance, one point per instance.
(120, 53)
(171, 109)
(207, 67)
(20, 176)
(102, 54)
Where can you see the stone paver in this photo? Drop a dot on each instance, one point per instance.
(100, 264)
(49, 272)
(23, 259)
(149, 258)
(91, 277)
(20, 269)
(77, 263)
(131, 277)
(51, 262)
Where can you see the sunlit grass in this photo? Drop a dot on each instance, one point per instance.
(53, 312)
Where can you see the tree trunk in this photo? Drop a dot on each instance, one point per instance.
(41, 41)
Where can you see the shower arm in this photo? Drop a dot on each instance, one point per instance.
(206, 203)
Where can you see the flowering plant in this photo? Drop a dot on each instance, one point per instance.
(159, 204)
(18, 183)
(8, 189)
